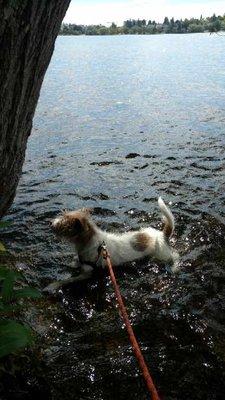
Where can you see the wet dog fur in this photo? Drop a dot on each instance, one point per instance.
(78, 228)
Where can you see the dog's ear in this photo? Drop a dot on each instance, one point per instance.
(87, 211)
(77, 227)
(64, 211)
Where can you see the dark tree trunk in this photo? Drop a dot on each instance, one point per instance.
(28, 29)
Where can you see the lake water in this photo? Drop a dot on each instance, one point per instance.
(120, 121)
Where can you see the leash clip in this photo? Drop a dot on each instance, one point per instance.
(102, 251)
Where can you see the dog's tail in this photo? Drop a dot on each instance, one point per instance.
(168, 218)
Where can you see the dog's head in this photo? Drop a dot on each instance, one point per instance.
(75, 226)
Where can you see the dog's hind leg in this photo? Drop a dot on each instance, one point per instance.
(86, 273)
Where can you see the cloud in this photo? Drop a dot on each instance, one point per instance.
(97, 11)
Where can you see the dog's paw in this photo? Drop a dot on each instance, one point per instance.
(52, 288)
(176, 263)
(175, 268)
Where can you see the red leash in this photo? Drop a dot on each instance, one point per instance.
(137, 351)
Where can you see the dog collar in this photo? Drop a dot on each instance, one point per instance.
(93, 264)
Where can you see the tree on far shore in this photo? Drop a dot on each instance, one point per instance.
(149, 27)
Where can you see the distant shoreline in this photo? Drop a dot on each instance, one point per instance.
(211, 24)
(133, 34)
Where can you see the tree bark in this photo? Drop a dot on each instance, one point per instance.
(28, 30)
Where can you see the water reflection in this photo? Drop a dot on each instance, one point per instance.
(116, 148)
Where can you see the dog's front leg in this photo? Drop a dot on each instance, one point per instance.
(86, 273)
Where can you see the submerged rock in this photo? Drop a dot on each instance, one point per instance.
(132, 155)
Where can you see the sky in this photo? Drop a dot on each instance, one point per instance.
(108, 11)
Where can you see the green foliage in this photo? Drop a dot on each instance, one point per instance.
(7, 287)
(4, 224)
(195, 28)
(8, 292)
(27, 291)
(13, 299)
(13, 336)
(2, 247)
(137, 27)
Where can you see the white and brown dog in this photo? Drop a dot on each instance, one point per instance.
(79, 228)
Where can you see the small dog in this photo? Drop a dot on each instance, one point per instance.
(79, 228)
